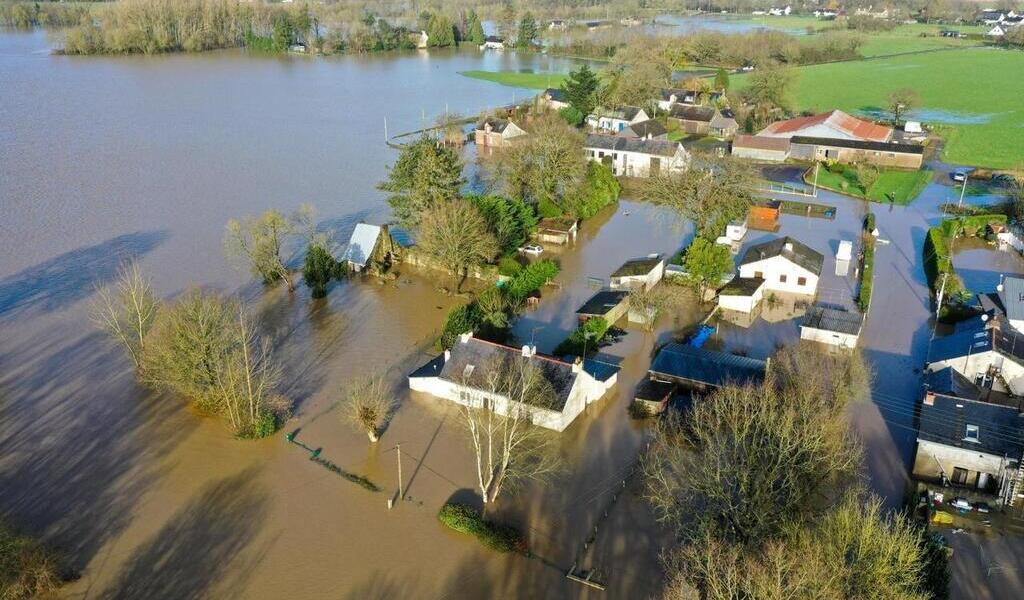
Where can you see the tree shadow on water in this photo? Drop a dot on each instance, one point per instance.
(202, 548)
(65, 279)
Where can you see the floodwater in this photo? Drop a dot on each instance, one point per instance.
(108, 158)
(103, 159)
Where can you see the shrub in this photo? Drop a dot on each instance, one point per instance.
(27, 570)
(585, 338)
(869, 222)
(599, 189)
(359, 480)
(866, 277)
(511, 221)
(548, 209)
(509, 266)
(572, 115)
(465, 519)
(318, 270)
(531, 278)
(460, 320)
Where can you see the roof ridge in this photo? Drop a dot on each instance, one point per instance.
(514, 349)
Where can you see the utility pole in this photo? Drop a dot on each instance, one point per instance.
(814, 192)
(962, 191)
(942, 290)
(399, 448)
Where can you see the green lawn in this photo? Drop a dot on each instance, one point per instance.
(974, 93)
(903, 186)
(534, 81)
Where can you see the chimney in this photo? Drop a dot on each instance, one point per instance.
(464, 338)
(929, 398)
(788, 246)
(577, 365)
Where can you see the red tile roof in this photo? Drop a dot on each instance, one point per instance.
(836, 119)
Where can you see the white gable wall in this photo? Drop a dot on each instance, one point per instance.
(776, 268)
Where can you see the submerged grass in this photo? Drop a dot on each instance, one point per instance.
(534, 81)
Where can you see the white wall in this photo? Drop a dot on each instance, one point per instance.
(647, 280)
(979, 362)
(931, 456)
(772, 269)
(833, 338)
(638, 164)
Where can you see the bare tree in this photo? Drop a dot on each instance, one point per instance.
(647, 302)
(902, 101)
(507, 446)
(259, 240)
(710, 195)
(456, 234)
(247, 380)
(126, 310)
(367, 404)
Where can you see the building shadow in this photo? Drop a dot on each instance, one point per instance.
(65, 279)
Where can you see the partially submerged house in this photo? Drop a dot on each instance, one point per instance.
(493, 42)
(785, 264)
(554, 98)
(639, 273)
(374, 245)
(987, 352)
(742, 294)
(883, 154)
(557, 230)
(463, 374)
(969, 439)
(497, 133)
(632, 157)
(610, 305)
(831, 326)
(700, 369)
(614, 120)
(650, 129)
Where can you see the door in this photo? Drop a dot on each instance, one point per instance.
(960, 475)
(655, 166)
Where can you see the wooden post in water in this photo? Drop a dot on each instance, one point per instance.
(399, 446)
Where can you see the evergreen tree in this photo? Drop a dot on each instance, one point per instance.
(440, 32)
(722, 80)
(424, 175)
(580, 88)
(528, 31)
(474, 29)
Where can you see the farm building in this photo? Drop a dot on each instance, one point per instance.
(760, 148)
(646, 130)
(610, 305)
(614, 120)
(701, 369)
(831, 326)
(742, 294)
(643, 273)
(969, 438)
(460, 375)
(785, 264)
(556, 230)
(495, 133)
(833, 124)
(636, 158)
(374, 245)
(883, 154)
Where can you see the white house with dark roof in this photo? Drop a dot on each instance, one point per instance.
(493, 42)
(614, 120)
(986, 351)
(554, 98)
(461, 375)
(633, 157)
(497, 133)
(644, 272)
(742, 294)
(785, 264)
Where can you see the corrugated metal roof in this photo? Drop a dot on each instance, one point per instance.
(831, 319)
(361, 244)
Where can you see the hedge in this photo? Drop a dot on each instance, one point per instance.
(465, 519)
(531, 278)
(867, 276)
(595, 327)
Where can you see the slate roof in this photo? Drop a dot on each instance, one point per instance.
(600, 303)
(622, 144)
(637, 266)
(1000, 428)
(950, 382)
(1013, 293)
(653, 390)
(361, 244)
(797, 253)
(761, 143)
(484, 356)
(683, 362)
(556, 94)
(742, 286)
(626, 113)
(497, 125)
(680, 94)
(650, 127)
(858, 145)
(831, 319)
(835, 119)
(703, 114)
(974, 336)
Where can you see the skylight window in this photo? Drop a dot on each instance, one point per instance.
(467, 371)
(971, 434)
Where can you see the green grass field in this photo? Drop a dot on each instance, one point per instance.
(533, 81)
(901, 186)
(975, 94)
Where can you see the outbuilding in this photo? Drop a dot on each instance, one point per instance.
(882, 154)
(742, 295)
(831, 326)
(700, 369)
(556, 230)
(642, 273)
(754, 147)
(610, 305)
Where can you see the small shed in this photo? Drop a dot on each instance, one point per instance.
(643, 272)
(361, 246)
(742, 294)
(701, 369)
(764, 218)
(831, 326)
(557, 230)
(653, 395)
(610, 305)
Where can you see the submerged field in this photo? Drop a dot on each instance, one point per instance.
(533, 81)
(974, 94)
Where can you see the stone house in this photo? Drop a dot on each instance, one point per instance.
(631, 157)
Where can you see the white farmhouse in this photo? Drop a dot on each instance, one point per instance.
(639, 273)
(631, 157)
(785, 264)
(614, 120)
(461, 376)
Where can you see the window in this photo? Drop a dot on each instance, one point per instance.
(759, 274)
(960, 475)
(467, 371)
(615, 156)
(801, 281)
(971, 434)
(782, 278)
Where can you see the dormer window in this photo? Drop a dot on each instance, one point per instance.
(467, 371)
(971, 434)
